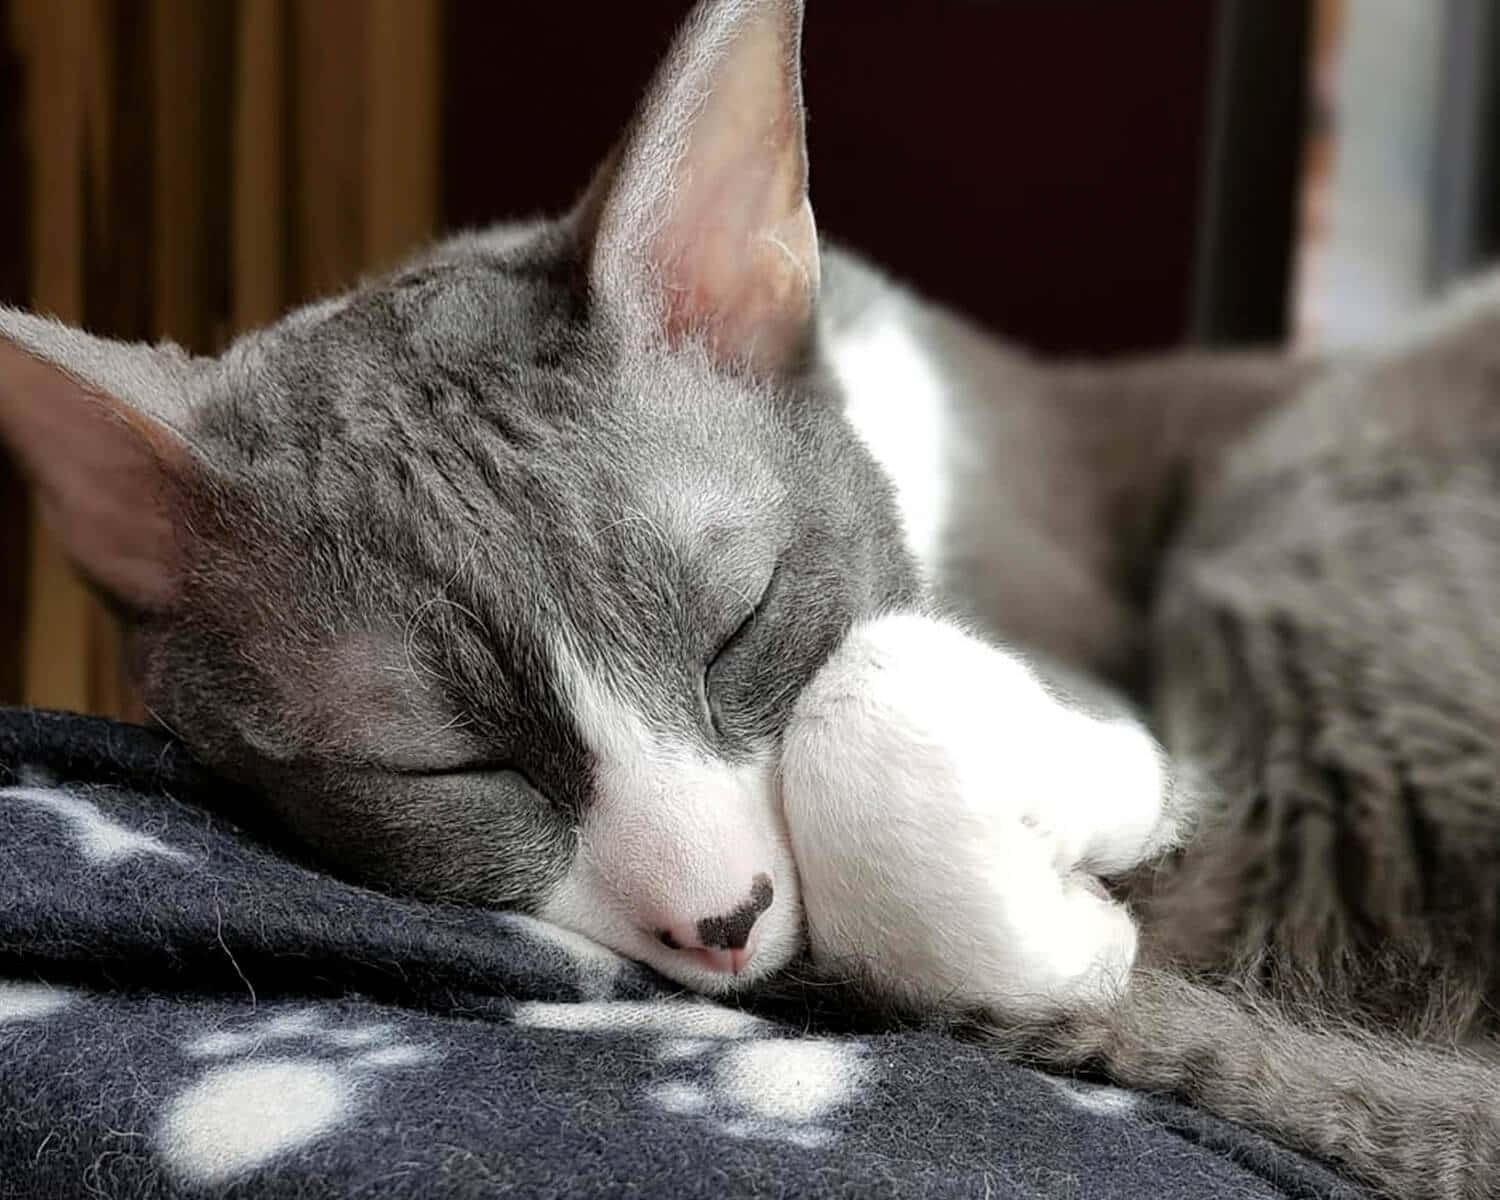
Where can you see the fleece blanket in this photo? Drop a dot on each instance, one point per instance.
(185, 1012)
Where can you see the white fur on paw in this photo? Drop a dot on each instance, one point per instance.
(949, 815)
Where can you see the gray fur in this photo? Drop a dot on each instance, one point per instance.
(1328, 651)
(1412, 1121)
(389, 501)
(158, 381)
(1326, 658)
(400, 494)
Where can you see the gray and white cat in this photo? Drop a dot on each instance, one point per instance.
(650, 570)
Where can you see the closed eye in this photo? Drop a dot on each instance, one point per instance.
(448, 770)
(731, 643)
(738, 633)
(734, 637)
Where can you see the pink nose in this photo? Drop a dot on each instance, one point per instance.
(723, 943)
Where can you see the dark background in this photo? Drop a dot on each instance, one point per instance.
(1038, 165)
(1088, 178)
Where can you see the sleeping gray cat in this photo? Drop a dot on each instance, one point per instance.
(649, 570)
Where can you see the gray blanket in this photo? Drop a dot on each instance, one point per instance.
(185, 1012)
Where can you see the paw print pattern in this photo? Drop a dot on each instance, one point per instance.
(31, 1001)
(274, 1087)
(774, 1088)
(100, 839)
(728, 1068)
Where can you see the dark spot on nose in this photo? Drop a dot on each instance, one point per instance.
(666, 939)
(733, 931)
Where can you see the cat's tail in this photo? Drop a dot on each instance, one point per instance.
(1410, 1121)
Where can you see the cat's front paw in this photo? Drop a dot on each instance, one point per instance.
(951, 817)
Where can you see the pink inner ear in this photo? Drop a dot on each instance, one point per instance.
(103, 475)
(710, 193)
(747, 282)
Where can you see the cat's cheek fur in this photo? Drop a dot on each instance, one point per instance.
(673, 836)
(949, 815)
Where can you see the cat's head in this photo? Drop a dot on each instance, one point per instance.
(498, 578)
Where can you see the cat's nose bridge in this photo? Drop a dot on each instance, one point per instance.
(685, 848)
(694, 857)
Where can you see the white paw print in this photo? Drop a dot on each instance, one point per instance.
(31, 1001)
(275, 1086)
(775, 1088)
(728, 1068)
(101, 840)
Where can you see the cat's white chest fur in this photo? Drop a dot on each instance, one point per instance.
(950, 817)
(895, 400)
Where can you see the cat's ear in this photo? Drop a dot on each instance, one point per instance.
(89, 422)
(701, 216)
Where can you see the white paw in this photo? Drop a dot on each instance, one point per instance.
(950, 816)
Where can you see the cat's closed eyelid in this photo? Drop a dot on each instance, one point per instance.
(395, 744)
(738, 636)
(489, 775)
(748, 607)
(741, 576)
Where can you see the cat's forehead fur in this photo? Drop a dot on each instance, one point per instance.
(488, 357)
(459, 454)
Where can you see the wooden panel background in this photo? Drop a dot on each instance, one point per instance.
(15, 213)
(184, 170)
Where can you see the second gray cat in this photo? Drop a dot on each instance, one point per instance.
(649, 570)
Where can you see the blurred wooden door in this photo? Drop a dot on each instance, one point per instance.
(184, 170)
